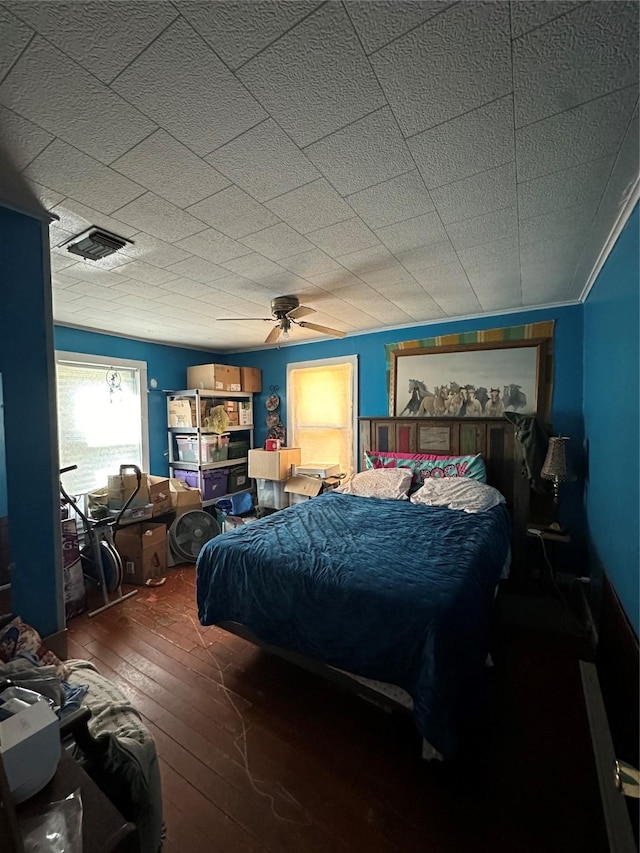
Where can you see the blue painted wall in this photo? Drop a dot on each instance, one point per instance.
(3, 465)
(166, 364)
(27, 369)
(611, 416)
(373, 399)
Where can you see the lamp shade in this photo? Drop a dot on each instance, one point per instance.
(555, 465)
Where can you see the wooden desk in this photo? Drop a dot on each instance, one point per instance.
(104, 830)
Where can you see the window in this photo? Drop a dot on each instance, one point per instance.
(321, 410)
(102, 417)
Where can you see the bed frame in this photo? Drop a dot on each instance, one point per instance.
(495, 440)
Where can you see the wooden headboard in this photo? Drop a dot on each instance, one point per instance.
(494, 438)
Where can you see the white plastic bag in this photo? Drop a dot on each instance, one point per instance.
(56, 830)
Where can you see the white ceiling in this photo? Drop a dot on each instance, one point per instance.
(387, 162)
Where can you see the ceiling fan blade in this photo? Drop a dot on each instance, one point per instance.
(240, 319)
(324, 329)
(300, 312)
(273, 335)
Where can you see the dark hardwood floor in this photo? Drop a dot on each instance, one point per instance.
(258, 755)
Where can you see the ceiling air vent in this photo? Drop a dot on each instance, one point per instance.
(95, 244)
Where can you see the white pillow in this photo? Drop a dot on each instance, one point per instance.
(458, 493)
(390, 483)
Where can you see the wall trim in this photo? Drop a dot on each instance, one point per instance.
(625, 212)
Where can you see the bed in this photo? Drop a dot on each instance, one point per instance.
(387, 592)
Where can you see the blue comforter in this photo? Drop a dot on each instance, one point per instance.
(385, 589)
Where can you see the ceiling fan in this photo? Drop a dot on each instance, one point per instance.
(286, 310)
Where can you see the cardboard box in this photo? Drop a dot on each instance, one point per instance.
(302, 488)
(251, 379)
(181, 413)
(183, 497)
(230, 406)
(121, 486)
(143, 548)
(273, 464)
(214, 377)
(245, 411)
(234, 418)
(159, 494)
(30, 749)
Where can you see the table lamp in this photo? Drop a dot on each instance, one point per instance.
(555, 468)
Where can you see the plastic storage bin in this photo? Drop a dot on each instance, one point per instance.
(238, 449)
(214, 483)
(187, 448)
(190, 477)
(238, 478)
(214, 448)
(271, 494)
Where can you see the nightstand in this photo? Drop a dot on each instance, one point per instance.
(544, 560)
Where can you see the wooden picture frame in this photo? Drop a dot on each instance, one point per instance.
(473, 380)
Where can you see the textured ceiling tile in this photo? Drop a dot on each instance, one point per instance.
(532, 14)
(145, 273)
(189, 287)
(47, 196)
(212, 246)
(568, 188)
(234, 213)
(392, 201)
(102, 37)
(445, 278)
(420, 307)
(492, 265)
(198, 269)
(111, 262)
(434, 255)
(316, 78)
(105, 129)
(245, 289)
(62, 281)
(464, 54)
(238, 30)
(313, 206)
(484, 229)
(76, 174)
(141, 288)
(153, 251)
(373, 258)
(253, 265)
(160, 218)
(167, 168)
(279, 241)
(364, 153)
(412, 233)
(60, 261)
(557, 224)
(387, 277)
(310, 263)
(588, 132)
(345, 237)
(88, 272)
(392, 19)
(58, 235)
(173, 82)
(264, 162)
(464, 146)
(335, 281)
(624, 174)
(21, 139)
(286, 282)
(479, 194)
(384, 311)
(76, 217)
(493, 301)
(15, 37)
(580, 56)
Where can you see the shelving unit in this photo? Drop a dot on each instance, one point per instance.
(198, 395)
